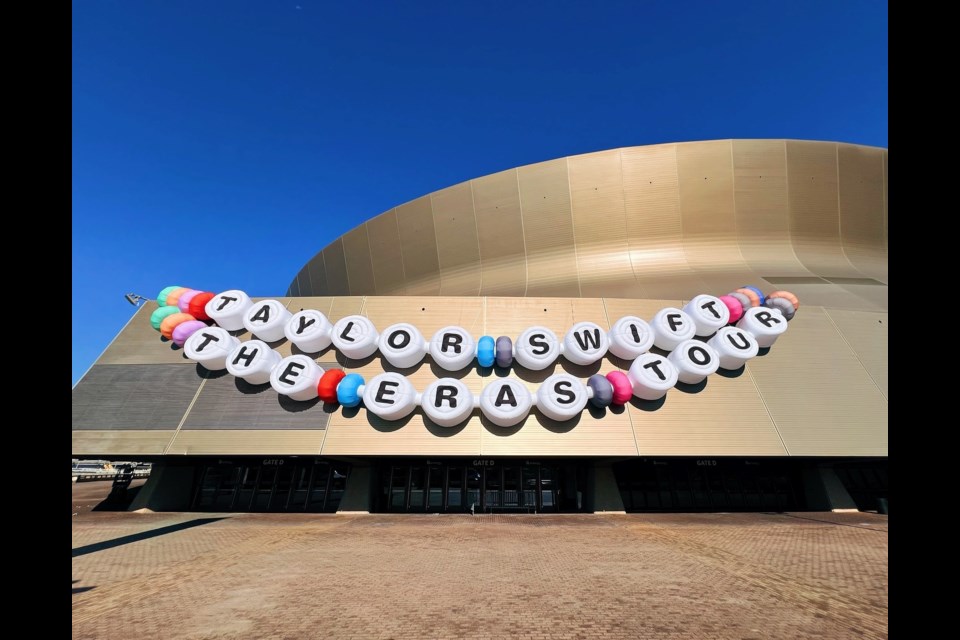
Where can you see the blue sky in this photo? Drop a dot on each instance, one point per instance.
(200, 127)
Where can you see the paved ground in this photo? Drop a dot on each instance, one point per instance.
(717, 576)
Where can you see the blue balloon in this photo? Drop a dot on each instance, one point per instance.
(347, 390)
(486, 351)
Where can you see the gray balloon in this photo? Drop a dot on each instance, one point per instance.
(602, 391)
(744, 300)
(504, 352)
(785, 306)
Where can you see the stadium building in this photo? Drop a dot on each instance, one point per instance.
(571, 249)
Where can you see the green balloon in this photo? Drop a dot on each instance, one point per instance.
(157, 316)
(162, 298)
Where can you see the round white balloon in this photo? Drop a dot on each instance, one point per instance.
(228, 308)
(561, 397)
(537, 348)
(505, 402)
(355, 337)
(694, 361)
(764, 323)
(267, 319)
(296, 377)
(671, 326)
(708, 314)
(630, 337)
(210, 347)
(402, 345)
(447, 402)
(585, 343)
(310, 330)
(390, 396)
(253, 361)
(652, 375)
(452, 348)
(734, 346)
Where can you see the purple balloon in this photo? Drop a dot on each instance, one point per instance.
(186, 329)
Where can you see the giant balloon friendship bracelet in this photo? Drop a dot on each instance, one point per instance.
(185, 316)
(183, 312)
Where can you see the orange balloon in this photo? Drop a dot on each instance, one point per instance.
(174, 296)
(789, 296)
(170, 323)
(750, 293)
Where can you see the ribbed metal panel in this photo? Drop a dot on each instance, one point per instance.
(418, 242)
(457, 243)
(264, 443)
(140, 343)
(227, 402)
(335, 267)
(304, 275)
(760, 193)
(343, 306)
(315, 277)
(496, 200)
(654, 232)
(822, 399)
(548, 229)
(723, 417)
(95, 444)
(386, 254)
(705, 185)
(600, 225)
(813, 198)
(861, 203)
(134, 396)
(866, 333)
(356, 252)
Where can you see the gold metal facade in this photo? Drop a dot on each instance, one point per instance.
(596, 237)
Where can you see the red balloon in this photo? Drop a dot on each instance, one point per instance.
(327, 387)
(198, 303)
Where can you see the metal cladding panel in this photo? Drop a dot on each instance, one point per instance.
(314, 277)
(335, 267)
(600, 225)
(418, 243)
(705, 185)
(821, 293)
(226, 402)
(822, 399)
(886, 233)
(134, 396)
(862, 229)
(457, 243)
(760, 192)
(263, 443)
(360, 432)
(139, 343)
(594, 432)
(303, 274)
(500, 232)
(723, 416)
(866, 334)
(343, 306)
(323, 304)
(548, 229)
(654, 233)
(363, 433)
(119, 443)
(813, 198)
(386, 254)
(356, 251)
